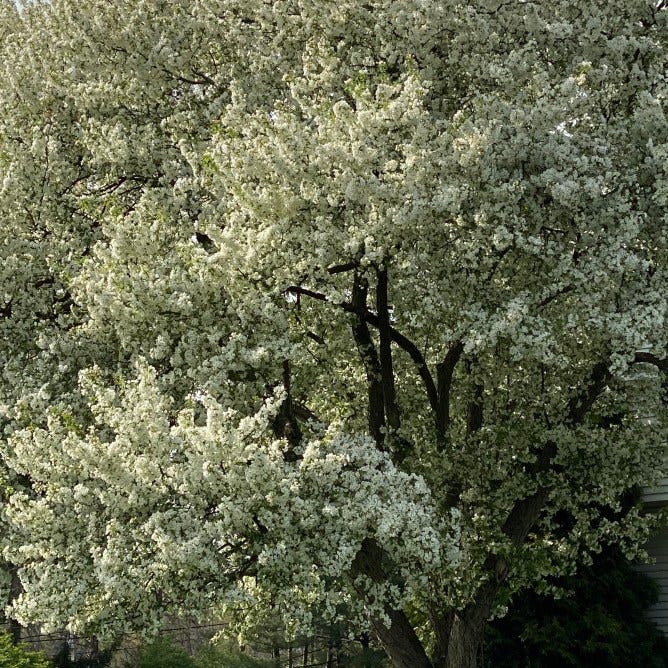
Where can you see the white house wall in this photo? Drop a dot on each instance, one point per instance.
(658, 549)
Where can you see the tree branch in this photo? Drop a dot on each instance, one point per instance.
(563, 291)
(341, 268)
(385, 352)
(403, 342)
(399, 638)
(285, 424)
(525, 512)
(444, 372)
(648, 358)
(579, 406)
(369, 356)
(300, 290)
(474, 411)
(441, 624)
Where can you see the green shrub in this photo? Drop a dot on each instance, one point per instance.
(220, 656)
(601, 623)
(17, 656)
(164, 653)
(366, 658)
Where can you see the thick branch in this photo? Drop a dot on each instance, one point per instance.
(400, 641)
(444, 372)
(15, 590)
(399, 638)
(526, 512)
(285, 423)
(648, 358)
(441, 624)
(385, 352)
(474, 412)
(369, 357)
(300, 290)
(579, 406)
(403, 342)
(421, 365)
(563, 291)
(341, 268)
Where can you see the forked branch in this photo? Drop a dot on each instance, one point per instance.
(399, 339)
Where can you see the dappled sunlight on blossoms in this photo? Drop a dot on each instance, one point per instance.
(338, 308)
(160, 505)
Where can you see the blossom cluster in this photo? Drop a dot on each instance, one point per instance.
(200, 204)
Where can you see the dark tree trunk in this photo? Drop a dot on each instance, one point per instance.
(15, 590)
(463, 650)
(465, 644)
(276, 655)
(330, 655)
(399, 639)
(14, 631)
(401, 642)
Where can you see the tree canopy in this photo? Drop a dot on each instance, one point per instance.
(338, 306)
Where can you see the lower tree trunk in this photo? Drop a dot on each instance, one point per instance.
(465, 644)
(14, 629)
(15, 590)
(398, 639)
(330, 656)
(401, 642)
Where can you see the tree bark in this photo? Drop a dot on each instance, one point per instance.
(13, 627)
(400, 641)
(444, 373)
(385, 352)
(441, 624)
(369, 357)
(465, 643)
(306, 657)
(330, 655)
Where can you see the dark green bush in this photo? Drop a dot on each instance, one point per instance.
(600, 624)
(164, 653)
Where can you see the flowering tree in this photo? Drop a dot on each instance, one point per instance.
(337, 306)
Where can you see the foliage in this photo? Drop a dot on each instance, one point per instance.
(366, 658)
(17, 656)
(326, 306)
(100, 659)
(164, 653)
(599, 621)
(221, 656)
